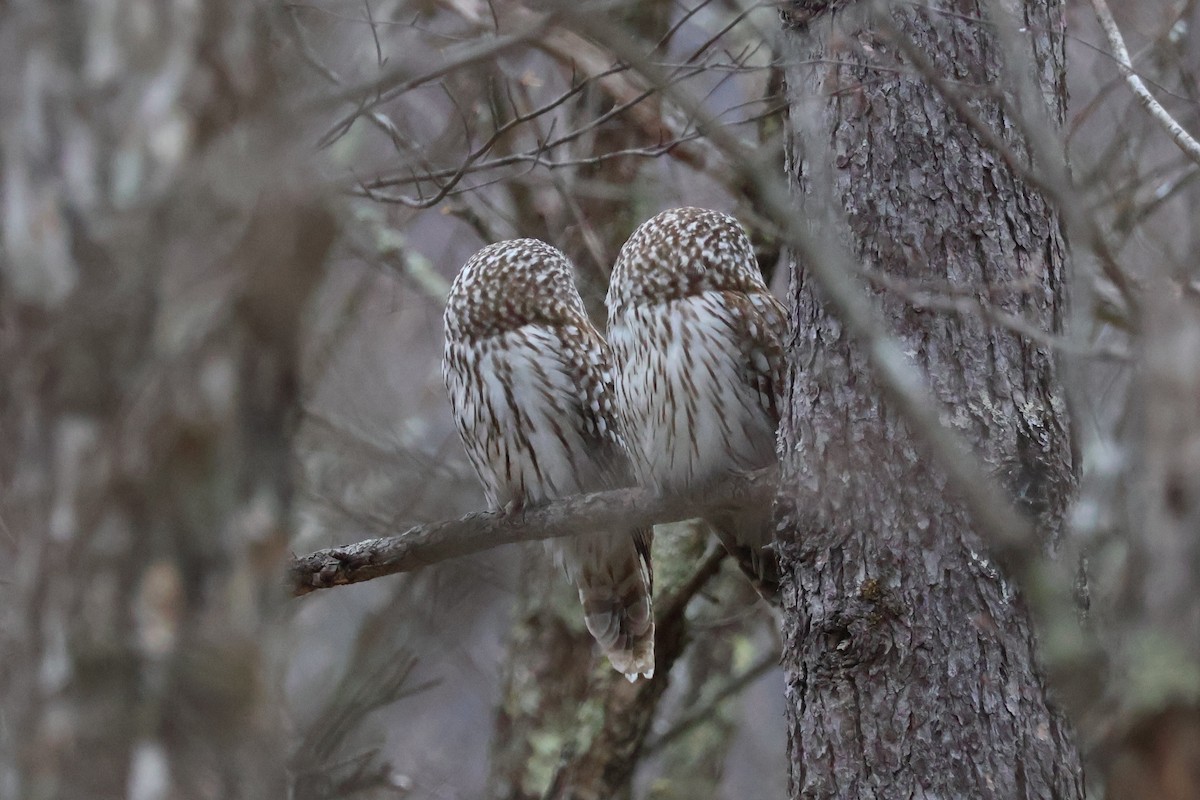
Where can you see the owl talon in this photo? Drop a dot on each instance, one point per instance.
(515, 509)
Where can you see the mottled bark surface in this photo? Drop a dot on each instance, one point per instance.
(547, 678)
(911, 665)
(614, 723)
(574, 729)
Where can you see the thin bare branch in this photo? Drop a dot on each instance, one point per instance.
(574, 51)
(395, 82)
(735, 685)
(946, 300)
(1181, 137)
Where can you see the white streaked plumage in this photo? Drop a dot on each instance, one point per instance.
(530, 384)
(687, 423)
(697, 341)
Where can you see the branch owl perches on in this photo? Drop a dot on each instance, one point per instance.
(684, 403)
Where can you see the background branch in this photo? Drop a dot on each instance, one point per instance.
(1181, 137)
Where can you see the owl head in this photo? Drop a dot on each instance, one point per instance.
(511, 284)
(680, 253)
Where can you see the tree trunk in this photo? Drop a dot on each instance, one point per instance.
(157, 261)
(1153, 612)
(563, 732)
(911, 664)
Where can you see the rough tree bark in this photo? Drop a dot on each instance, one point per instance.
(156, 264)
(911, 664)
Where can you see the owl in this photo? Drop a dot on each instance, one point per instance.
(530, 382)
(697, 340)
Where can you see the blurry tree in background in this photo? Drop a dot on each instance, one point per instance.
(227, 231)
(161, 246)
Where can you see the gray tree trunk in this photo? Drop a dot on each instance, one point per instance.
(911, 664)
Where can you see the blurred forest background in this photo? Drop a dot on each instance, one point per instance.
(228, 229)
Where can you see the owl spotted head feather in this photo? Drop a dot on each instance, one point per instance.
(681, 253)
(510, 284)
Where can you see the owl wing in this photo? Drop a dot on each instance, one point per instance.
(591, 359)
(759, 322)
(469, 407)
(612, 569)
(598, 417)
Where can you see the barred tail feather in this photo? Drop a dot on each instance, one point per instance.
(615, 591)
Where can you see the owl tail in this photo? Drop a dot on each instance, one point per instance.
(747, 538)
(615, 590)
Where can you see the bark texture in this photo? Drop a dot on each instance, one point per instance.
(911, 666)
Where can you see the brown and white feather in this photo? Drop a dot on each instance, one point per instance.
(697, 339)
(530, 382)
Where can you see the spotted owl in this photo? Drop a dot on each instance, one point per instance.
(697, 340)
(531, 387)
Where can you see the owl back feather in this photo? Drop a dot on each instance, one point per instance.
(530, 386)
(697, 340)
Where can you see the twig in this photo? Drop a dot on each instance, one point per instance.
(703, 712)
(1181, 137)
(573, 50)
(399, 80)
(629, 708)
(951, 302)
(423, 545)
(472, 163)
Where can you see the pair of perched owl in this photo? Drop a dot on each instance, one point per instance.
(682, 394)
